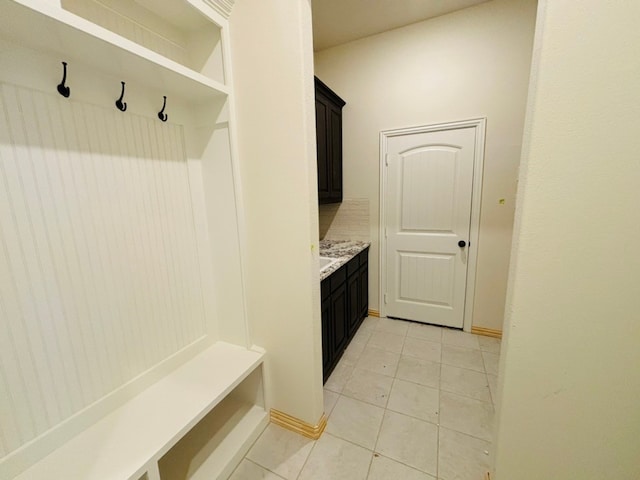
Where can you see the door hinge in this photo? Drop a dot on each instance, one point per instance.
(386, 159)
(385, 298)
(385, 232)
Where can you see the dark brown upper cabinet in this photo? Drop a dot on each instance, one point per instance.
(329, 143)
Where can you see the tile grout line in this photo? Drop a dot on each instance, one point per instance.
(467, 396)
(246, 455)
(386, 403)
(313, 447)
(385, 409)
(365, 401)
(334, 435)
(490, 442)
(375, 445)
(372, 451)
(260, 466)
(251, 447)
(418, 418)
(463, 394)
(395, 377)
(493, 405)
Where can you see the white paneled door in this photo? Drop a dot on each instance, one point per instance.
(427, 207)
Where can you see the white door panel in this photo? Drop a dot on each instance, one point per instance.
(428, 205)
(427, 180)
(426, 278)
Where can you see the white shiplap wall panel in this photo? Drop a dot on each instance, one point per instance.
(99, 273)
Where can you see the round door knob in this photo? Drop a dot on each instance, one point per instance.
(462, 244)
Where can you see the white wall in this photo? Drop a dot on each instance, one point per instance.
(570, 381)
(273, 82)
(471, 63)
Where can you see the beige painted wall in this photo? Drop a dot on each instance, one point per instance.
(570, 381)
(273, 85)
(468, 64)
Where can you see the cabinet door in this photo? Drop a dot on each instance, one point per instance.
(322, 124)
(363, 296)
(354, 306)
(327, 350)
(335, 153)
(339, 328)
(328, 143)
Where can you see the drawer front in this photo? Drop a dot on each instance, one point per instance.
(363, 257)
(325, 288)
(353, 265)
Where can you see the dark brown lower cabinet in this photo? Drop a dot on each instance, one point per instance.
(364, 291)
(339, 315)
(345, 303)
(326, 335)
(353, 307)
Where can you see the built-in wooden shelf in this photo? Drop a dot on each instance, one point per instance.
(49, 28)
(212, 404)
(187, 410)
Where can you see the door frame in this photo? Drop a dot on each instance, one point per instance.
(476, 196)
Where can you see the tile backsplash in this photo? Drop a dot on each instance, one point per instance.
(348, 220)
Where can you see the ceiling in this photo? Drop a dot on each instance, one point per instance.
(341, 21)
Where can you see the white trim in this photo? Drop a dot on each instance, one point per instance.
(476, 197)
(225, 38)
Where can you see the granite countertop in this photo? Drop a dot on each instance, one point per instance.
(343, 250)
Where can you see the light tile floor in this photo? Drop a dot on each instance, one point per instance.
(407, 401)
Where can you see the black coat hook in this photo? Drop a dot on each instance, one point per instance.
(122, 106)
(161, 115)
(62, 88)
